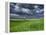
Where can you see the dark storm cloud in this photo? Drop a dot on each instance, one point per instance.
(21, 10)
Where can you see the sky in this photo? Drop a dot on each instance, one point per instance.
(23, 10)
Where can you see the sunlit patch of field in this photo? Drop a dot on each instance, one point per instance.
(26, 25)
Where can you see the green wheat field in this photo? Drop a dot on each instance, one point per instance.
(26, 25)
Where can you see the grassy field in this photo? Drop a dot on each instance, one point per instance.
(26, 25)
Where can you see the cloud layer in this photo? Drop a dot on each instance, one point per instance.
(20, 10)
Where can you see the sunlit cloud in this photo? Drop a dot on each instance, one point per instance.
(25, 10)
(17, 8)
(11, 4)
(14, 15)
(35, 6)
(41, 10)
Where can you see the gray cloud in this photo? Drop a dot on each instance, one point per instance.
(23, 12)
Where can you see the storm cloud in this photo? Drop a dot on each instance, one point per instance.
(21, 10)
